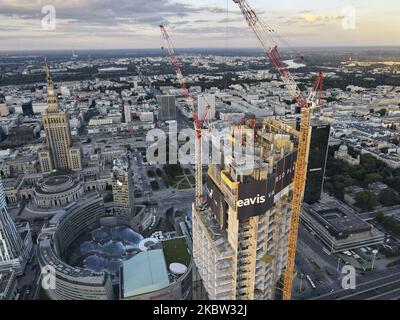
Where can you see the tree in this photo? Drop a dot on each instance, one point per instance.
(372, 177)
(128, 147)
(393, 182)
(366, 200)
(328, 187)
(368, 162)
(338, 190)
(159, 172)
(395, 141)
(353, 152)
(151, 173)
(384, 150)
(173, 170)
(388, 197)
(358, 174)
(380, 217)
(390, 223)
(382, 112)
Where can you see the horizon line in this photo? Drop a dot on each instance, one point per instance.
(199, 48)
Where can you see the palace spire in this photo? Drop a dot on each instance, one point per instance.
(52, 100)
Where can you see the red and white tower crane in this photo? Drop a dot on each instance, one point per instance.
(199, 123)
(268, 39)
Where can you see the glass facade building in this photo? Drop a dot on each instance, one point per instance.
(317, 162)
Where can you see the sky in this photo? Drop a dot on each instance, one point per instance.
(123, 24)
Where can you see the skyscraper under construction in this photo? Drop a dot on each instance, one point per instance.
(240, 235)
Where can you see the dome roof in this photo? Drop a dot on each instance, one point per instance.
(56, 184)
(177, 268)
(147, 243)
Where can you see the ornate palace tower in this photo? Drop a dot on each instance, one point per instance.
(60, 151)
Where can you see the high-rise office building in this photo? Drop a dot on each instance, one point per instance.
(240, 236)
(58, 133)
(203, 101)
(167, 108)
(122, 186)
(13, 252)
(317, 161)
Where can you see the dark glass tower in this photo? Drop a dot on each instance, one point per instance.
(317, 161)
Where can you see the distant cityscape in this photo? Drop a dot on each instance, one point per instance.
(90, 211)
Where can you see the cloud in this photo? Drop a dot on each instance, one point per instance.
(310, 17)
(133, 22)
(213, 29)
(231, 20)
(105, 11)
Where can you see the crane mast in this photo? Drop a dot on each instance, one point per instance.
(199, 123)
(265, 35)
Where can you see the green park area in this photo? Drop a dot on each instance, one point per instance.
(341, 175)
(176, 250)
(175, 176)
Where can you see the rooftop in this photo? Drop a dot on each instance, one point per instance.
(176, 250)
(145, 272)
(56, 183)
(340, 220)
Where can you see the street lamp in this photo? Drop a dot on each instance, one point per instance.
(301, 283)
(374, 252)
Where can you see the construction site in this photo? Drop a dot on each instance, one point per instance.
(238, 150)
(245, 230)
(240, 236)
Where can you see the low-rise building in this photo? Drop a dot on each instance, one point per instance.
(343, 154)
(339, 227)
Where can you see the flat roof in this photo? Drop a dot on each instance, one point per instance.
(145, 272)
(339, 219)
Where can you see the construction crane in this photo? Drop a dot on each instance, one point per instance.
(199, 123)
(268, 39)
